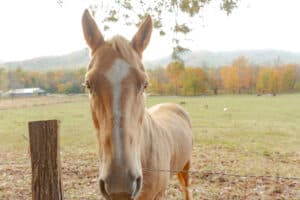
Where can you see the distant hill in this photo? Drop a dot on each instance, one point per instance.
(80, 59)
(216, 59)
(72, 60)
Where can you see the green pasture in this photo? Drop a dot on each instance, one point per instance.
(258, 123)
(245, 126)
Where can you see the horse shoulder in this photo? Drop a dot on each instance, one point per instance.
(176, 128)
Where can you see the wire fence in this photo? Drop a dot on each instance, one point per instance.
(243, 191)
(201, 173)
(207, 172)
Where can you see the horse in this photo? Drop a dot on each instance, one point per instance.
(135, 143)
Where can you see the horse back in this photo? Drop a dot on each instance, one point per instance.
(167, 111)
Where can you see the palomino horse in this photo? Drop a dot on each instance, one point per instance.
(134, 143)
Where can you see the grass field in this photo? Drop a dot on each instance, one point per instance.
(233, 134)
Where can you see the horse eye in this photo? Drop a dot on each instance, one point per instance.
(145, 85)
(86, 84)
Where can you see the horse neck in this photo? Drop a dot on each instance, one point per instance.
(147, 123)
(147, 138)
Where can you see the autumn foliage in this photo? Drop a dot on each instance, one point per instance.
(59, 81)
(239, 77)
(175, 79)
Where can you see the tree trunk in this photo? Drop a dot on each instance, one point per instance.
(45, 160)
(215, 91)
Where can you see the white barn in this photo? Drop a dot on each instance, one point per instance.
(26, 92)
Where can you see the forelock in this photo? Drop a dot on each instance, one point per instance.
(124, 48)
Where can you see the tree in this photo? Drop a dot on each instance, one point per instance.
(158, 81)
(262, 80)
(297, 83)
(175, 71)
(165, 15)
(3, 79)
(245, 74)
(214, 79)
(267, 81)
(230, 78)
(239, 77)
(15, 78)
(194, 82)
(287, 78)
(273, 85)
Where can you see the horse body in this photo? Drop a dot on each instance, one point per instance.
(134, 143)
(166, 142)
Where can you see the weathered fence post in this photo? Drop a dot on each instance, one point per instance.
(45, 160)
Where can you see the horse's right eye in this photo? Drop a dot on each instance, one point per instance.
(87, 85)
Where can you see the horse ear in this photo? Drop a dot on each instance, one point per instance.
(141, 39)
(92, 34)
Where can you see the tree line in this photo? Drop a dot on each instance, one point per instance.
(175, 79)
(58, 81)
(237, 78)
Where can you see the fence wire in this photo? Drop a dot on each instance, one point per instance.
(200, 172)
(206, 172)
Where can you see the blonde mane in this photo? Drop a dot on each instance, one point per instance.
(124, 48)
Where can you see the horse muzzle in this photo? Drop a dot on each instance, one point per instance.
(127, 192)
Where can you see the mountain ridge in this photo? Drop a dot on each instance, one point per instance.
(202, 58)
(73, 60)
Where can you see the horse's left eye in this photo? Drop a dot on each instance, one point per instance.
(145, 85)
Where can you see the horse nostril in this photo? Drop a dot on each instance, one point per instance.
(137, 184)
(103, 189)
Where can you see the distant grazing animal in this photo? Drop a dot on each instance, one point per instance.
(182, 102)
(134, 143)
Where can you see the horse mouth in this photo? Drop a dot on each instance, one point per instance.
(121, 196)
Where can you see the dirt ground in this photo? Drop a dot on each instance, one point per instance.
(80, 173)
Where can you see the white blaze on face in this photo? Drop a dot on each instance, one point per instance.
(116, 74)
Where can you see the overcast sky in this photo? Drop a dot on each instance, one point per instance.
(32, 28)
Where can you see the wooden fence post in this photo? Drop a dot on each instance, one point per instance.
(45, 160)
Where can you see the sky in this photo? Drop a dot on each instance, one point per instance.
(33, 28)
